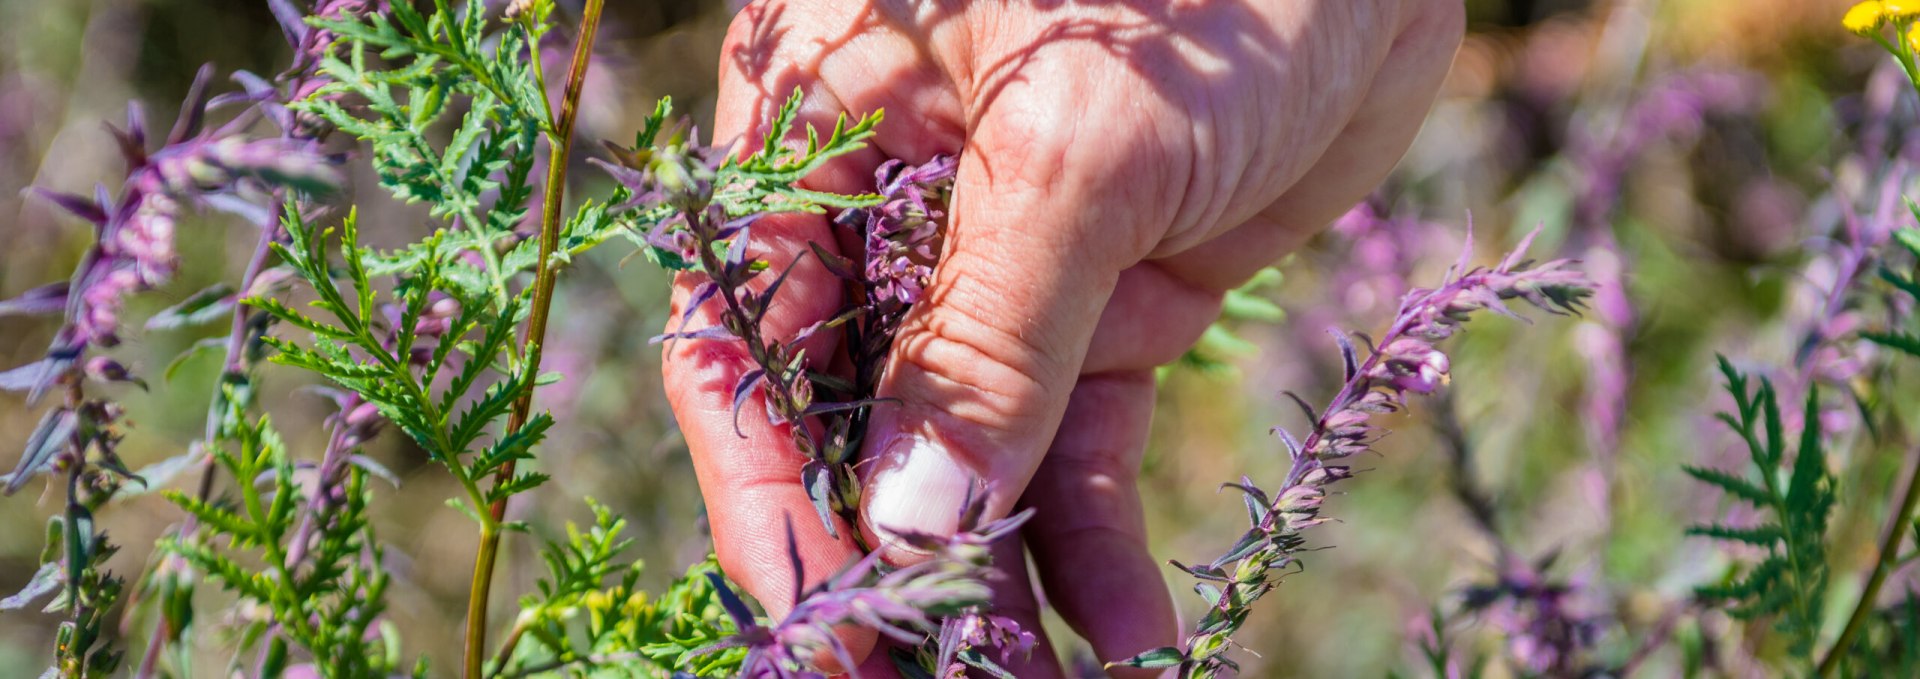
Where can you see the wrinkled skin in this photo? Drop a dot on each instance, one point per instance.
(1124, 163)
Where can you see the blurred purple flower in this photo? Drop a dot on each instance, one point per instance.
(1546, 624)
(311, 44)
(134, 235)
(1674, 108)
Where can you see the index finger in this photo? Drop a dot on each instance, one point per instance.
(749, 468)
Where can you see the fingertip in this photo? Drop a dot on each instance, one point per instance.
(914, 486)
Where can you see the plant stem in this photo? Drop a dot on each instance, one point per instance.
(559, 144)
(1889, 547)
(235, 368)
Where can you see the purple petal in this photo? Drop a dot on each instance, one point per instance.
(45, 299)
(712, 332)
(736, 609)
(741, 390)
(80, 207)
(46, 441)
(193, 111)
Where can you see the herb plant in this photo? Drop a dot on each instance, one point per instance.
(457, 109)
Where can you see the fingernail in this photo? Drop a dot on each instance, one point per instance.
(917, 487)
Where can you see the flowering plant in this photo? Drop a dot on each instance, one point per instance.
(437, 344)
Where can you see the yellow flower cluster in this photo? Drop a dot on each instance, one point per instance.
(1867, 17)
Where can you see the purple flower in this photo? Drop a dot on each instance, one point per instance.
(134, 234)
(1405, 360)
(1546, 624)
(313, 44)
(980, 630)
(899, 232)
(680, 175)
(944, 599)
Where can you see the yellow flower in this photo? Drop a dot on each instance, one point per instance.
(1865, 17)
(1913, 38)
(1899, 9)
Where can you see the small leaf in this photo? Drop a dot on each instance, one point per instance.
(815, 478)
(975, 659)
(736, 609)
(42, 445)
(25, 377)
(1900, 341)
(45, 580)
(1732, 485)
(1350, 362)
(1202, 572)
(1312, 417)
(1293, 444)
(741, 390)
(84, 208)
(1249, 542)
(1759, 536)
(839, 266)
(1909, 238)
(198, 348)
(1240, 304)
(200, 307)
(766, 297)
(825, 408)
(907, 666)
(711, 332)
(1158, 658)
(46, 299)
(375, 468)
(157, 475)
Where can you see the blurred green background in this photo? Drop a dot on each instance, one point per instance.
(1712, 221)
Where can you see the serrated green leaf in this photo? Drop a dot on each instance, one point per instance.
(1899, 341)
(1731, 484)
(1760, 536)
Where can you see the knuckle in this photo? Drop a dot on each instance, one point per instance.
(974, 370)
(1103, 488)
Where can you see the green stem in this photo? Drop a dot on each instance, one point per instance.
(1897, 524)
(1889, 547)
(559, 142)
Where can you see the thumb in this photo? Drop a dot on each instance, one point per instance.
(981, 369)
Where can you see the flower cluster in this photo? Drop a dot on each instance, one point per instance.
(900, 234)
(901, 231)
(1675, 108)
(134, 233)
(1404, 361)
(221, 167)
(899, 227)
(1546, 624)
(1868, 17)
(940, 605)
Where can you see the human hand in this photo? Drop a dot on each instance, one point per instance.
(1123, 164)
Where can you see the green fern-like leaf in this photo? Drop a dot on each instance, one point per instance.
(1789, 582)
